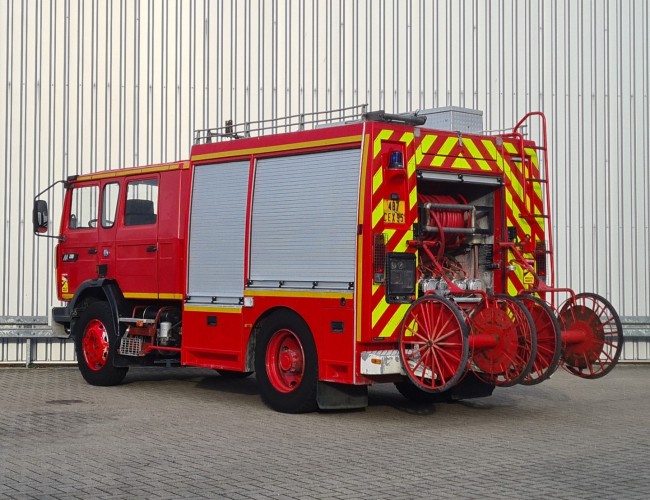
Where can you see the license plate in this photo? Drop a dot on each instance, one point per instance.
(394, 212)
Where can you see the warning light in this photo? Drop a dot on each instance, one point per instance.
(396, 160)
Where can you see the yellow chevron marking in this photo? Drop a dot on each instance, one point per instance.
(410, 167)
(402, 246)
(395, 321)
(512, 289)
(381, 136)
(476, 154)
(462, 164)
(510, 147)
(377, 179)
(378, 213)
(413, 197)
(423, 148)
(379, 311)
(388, 234)
(407, 138)
(448, 145)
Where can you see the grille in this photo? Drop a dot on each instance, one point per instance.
(131, 346)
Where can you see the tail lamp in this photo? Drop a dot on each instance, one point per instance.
(378, 258)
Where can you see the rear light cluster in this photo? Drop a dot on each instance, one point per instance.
(378, 258)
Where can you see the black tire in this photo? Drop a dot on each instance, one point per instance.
(413, 393)
(233, 374)
(287, 384)
(96, 343)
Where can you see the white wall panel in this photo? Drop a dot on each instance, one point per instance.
(96, 84)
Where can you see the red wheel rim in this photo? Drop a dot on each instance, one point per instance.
(94, 345)
(285, 361)
(433, 344)
(599, 351)
(510, 357)
(548, 339)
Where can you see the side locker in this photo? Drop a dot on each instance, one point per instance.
(212, 316)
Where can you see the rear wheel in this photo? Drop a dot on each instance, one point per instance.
(96, 343)
(286, 365)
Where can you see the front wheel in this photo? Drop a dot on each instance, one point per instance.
(286, 365)
(96, 342)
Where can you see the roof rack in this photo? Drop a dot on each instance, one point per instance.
(283, 124)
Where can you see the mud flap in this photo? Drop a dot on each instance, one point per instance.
(332, 396)
(471, 387)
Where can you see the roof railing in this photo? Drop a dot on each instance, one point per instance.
(290, 123)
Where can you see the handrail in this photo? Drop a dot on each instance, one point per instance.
(273, 125)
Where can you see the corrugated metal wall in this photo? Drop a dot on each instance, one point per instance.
(90, 85)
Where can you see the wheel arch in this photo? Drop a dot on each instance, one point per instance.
(96, 290)
(252, 338)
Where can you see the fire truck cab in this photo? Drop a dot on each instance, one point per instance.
(412, 249)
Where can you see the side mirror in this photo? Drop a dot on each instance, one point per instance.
(39, 216)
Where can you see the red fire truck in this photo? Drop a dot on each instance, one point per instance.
(328, 252)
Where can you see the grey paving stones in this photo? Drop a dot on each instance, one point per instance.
(184, 433)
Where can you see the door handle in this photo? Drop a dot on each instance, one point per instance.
(152, 248)
(92, 251)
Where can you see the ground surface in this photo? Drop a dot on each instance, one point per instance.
(190, 433)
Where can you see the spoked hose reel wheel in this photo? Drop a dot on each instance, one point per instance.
(549, 339)
(503, 341)
(433, 344)
(592, 336)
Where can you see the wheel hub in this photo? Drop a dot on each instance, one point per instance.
(95, 345)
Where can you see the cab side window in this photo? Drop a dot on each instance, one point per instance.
(110, 195)
(83, 209)
(141, 205)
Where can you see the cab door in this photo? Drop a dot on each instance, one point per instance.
(107, 228)
(77, 253)
(136, 244)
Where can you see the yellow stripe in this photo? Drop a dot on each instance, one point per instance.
(170, 296)
(362, 197)
(67, 296)
(381, 136)
(131, 171)
(395, 321)
(134, 295)
(214, 309)
(364, 172)
(274, 149)
(510, 147)
(298, 294)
